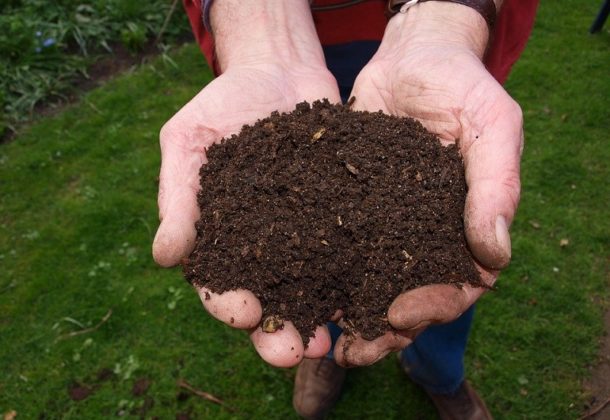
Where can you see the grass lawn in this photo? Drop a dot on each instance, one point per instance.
(78, 214)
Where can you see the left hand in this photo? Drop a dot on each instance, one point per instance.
(429, 67)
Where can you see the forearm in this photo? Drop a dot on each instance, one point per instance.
(440, 23)
(255, 31)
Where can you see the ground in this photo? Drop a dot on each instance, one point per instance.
(78, 213)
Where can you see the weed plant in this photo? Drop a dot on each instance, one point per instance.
(45, 46)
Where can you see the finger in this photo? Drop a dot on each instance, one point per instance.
(491, 157)
(182, 157)
(319, 344)
(353, 350)
(282, 348)
(237, 308)
(432, 304)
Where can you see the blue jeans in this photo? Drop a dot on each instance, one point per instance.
(435, 360)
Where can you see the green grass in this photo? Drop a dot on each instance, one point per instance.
(78, 213)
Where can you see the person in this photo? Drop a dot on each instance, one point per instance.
(441, 62)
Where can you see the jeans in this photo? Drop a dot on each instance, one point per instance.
(435, 360)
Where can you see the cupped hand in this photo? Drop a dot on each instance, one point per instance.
(239, 96)
(446, 87)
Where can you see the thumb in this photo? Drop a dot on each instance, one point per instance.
(175, 238)
(177, 200)
(492, 161)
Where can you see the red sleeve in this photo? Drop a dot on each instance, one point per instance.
(203, 37)
(366, 21)
(512, 30)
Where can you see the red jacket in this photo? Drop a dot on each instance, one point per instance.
(366, 21)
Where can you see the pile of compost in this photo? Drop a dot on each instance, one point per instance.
(325, 209)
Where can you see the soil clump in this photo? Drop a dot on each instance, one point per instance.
(326, 208)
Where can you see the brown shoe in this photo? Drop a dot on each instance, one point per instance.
(317, 387)
(464, 404)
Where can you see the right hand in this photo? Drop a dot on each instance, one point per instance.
(241, 95)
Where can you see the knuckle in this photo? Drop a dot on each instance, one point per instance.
(516, 111)
(447, 313)
(168, 131)
(512, 185)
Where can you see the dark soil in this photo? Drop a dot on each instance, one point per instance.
(104, 375)
(326, 208)
(79, 392)
(140, 387)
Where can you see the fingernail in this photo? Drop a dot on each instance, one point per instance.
(503, 241)
(420, 324)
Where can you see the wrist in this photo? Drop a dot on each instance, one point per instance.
(438, 23)
(257, 33)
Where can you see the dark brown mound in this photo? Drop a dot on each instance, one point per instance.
(326, 208)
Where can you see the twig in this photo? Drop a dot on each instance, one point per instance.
(596, 409)
(73, 321)
(11, 285)
(167, 18)
(205, 395)
(93, 107)
(87, 330)
(147, 226)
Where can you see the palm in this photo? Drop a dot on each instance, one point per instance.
(449, 92)
(240, 96)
